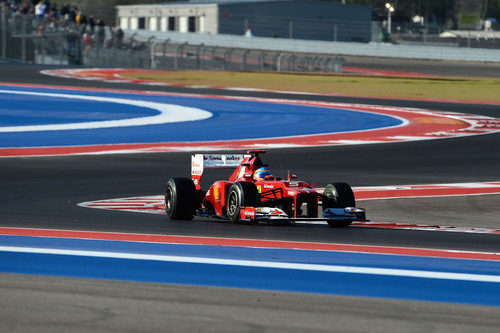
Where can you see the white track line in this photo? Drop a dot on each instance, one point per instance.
(262, 264)
(168, 113)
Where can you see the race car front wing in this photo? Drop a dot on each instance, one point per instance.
(273, 214)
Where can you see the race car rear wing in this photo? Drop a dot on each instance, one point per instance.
(199, 162)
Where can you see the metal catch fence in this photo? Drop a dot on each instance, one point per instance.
(186, 56)
(62, 42)
(39, 40)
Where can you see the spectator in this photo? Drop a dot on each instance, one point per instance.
(110, 42)
(64, 10)
(39, 30)
(70, 20)
(13, 6)
(72, 13)
(101, 33)
(248, 33)
(52, 27)
(119, 38)
(40, 9)
(92, 24)
(52, 14)
(25, 8)
(87, 40)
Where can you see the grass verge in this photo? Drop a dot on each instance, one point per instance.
(446, 88)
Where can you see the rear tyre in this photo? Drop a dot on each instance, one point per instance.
(338, 195)
(241, 194)
(181, 199)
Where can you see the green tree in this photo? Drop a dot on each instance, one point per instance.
(442, 11)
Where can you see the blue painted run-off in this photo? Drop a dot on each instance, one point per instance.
(298, 280)
(231, 120)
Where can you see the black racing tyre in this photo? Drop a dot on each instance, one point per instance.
(181, 199)
(338, 195)
(241, 194)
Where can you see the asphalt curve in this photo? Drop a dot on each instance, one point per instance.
(43, 193)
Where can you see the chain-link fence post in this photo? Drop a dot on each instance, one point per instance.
(23, 40)
(323, 65)
(227, 58)
(44, 51)
(326, 65)
(198, 56)
(183, 49)
(244, 60)
(275, 62)
(214, 63)
(178, 51)
(202, 56)
(307, 64)
(63, 52)
(4, 33)
(108, 57)
(181, 53)
(291, 62)
(280, 57)
(262, 57)
(79, 50)
(150, 62)
(153, 55)
(314, 64)
(338, 64)
(130, 57)
(164, 48)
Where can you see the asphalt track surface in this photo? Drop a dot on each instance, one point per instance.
(43, 193)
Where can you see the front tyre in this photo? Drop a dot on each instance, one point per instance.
(338, 195)
(241, 194)
(181, 199)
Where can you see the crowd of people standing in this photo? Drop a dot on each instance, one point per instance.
(51, 18)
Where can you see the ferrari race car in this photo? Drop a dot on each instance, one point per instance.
(248, 198)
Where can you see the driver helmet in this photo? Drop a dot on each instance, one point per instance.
(262, 173)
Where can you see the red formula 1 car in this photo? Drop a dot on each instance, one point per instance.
(248, 198)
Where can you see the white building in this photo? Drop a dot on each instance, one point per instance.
(316, 20)
(181, 17)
